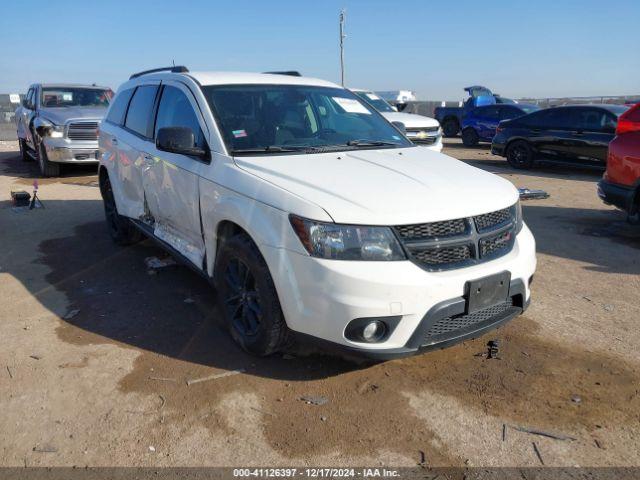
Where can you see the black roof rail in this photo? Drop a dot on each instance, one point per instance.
(291, 73)
(177, 69)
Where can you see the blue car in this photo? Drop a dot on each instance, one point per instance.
(479, 124)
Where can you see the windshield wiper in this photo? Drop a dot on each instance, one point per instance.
(273, 149)
(371, 143)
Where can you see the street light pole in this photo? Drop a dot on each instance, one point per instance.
(343, 14)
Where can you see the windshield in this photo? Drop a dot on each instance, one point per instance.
(270, 119)
(75, 97)
(374, 100)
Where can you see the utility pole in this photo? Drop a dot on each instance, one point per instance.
(343, 14)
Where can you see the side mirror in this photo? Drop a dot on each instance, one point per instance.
(400, 126)
(179, 140)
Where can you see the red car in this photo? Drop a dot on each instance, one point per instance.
(620, 185)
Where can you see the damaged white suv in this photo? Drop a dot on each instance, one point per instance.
(311, 213)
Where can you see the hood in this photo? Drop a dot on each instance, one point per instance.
(387, 186)
(59, 115)
(411, 120)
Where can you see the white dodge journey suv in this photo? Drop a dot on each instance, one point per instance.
(312, 214)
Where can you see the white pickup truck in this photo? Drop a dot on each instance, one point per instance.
(311, 214)
(418, 128)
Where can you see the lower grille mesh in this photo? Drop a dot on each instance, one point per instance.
(461, 322)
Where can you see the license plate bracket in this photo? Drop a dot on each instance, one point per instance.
(487, 291)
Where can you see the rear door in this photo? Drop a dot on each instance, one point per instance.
(551, 132)
(593, 129)
(133, 143)
(485, 119)
(171, 180)
(27, 113)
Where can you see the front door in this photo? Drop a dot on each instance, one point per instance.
(171, 180)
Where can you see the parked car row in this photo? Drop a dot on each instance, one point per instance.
(313, 209)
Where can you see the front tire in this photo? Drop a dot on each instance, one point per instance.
(47, 168)
(248, 297)
(120, 228)
(24, 152)
(470, 137)
(520, 155)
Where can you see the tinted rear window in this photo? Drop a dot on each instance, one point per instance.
(119, 107)
(139, 115)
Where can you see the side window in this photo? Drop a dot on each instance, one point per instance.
(175, 110)
(139, 116)
(119, 107)
(507, 113)
(553, 118)
(29, 98)
(591, 119)
(493, 113)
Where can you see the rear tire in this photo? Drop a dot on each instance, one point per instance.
(450, 127)
(248, 297)
(470, 137)
(121, 230)
(47, 168)
(520, 155)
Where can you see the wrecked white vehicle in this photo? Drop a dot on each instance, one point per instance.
(311, 213)
(58, 123)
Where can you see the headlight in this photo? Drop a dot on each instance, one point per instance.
(518, 214)
(347, 242)
(47, 128)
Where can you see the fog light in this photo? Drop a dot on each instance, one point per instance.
(373, 331)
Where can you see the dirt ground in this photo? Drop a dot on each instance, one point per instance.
(96, 353)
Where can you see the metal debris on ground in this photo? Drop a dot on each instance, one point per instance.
(423, 459)
(542, 433)
(323, 418)
(9, 371)
(71, 314)
(163, 379)
(493, 349)
(155, 263)
(535, 449)
(152, 448)
(215, 376)
(35, 357)
(314, 399)
(504, 432)
(532, 194)
(263, 412)
(46, 448)
(576, 399)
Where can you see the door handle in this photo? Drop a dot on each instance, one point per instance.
(114, 141)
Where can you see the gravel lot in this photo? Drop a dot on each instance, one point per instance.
(97, 351)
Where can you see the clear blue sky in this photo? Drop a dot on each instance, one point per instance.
(536, 48)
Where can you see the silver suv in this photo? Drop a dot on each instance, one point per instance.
(58, 123)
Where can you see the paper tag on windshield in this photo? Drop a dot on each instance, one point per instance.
(67, 97)
(373, 96)
(239, 133)
(350, 105)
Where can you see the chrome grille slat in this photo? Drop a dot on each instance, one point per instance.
(79, 130)
(460, 242)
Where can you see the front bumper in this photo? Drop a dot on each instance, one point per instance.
(320, 297)
(615, 194)
(63, 150)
